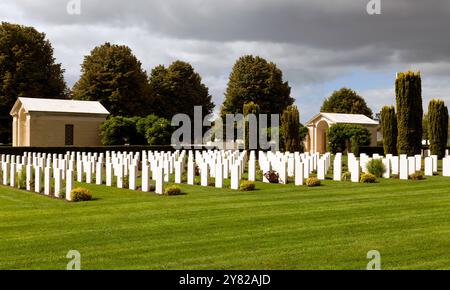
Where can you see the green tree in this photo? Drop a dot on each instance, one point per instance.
(425, 128)
(408, 88)
(159, 133)
(27, 69)
(250, 108)
(389, 130)
(253, 79)
(118, 131)
(114, 76)
(290, 128)
(177, 90)
(438, 127)
(341, 135)
(346, 101)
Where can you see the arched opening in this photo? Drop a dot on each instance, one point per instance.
(322, 140)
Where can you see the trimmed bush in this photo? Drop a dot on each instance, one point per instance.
(80, 194)
(172, 190)
(376, 167)
(368, 178)
(247, 186)
(313, 182)
(389, 129)
(272, 176)
(416, 176)
(438, 127)
(408, 90)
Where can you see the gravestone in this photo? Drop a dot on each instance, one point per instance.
(69, 184)
(299, 176)
(428, 166)
(337, 169)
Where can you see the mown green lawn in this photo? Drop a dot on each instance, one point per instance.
(275, 227)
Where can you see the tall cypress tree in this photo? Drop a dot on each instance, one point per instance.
(389, 129)
(290, 129)
(438, 127)
(408, 88)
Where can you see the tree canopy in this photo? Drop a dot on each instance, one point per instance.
(114, 76)
(340, 136)
(254, 79)
(27, 69)
(177, 90)
(346, 101)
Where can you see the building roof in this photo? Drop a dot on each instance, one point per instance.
(345, 119)
(60, 106)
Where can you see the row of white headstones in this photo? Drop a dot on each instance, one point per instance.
(161, 167)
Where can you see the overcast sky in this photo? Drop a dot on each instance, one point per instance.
(321, 45)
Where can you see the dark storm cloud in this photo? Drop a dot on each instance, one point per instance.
(313, 41)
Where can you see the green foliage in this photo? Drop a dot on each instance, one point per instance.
(376, 167)
(408, 88)
(250, 108)
(176, 90)
(368, 178)
(114, 76)
(416, 176)
(340, 135)
(253, 79)
(118, 131)
(80, 194)
(150, 130)
(290, 128)
(438, 127)
(172, 190)
(159, 133)
(313, 182)
(389, 129)
(247, 186)
(346, 101)
(27, 69)
(425, 128)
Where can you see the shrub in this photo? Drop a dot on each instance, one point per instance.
(80, 194)
(247, 186)
(342, 135)
(368, 178)
(416, 176)
(172, 190)
(313, 182)
(347, 176)
(118, 131)
(272, 176)
(376, 167)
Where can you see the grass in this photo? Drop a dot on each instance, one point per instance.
(274, 227)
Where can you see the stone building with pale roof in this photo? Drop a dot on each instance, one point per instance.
(316, 141)
(55, 123)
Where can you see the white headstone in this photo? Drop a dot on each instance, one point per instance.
(403, 168)
(69, 184)
(355, 171)
(337, 169)
(299, 176)
(428, 166)
(219, 175)
(145, 178)
(47, 179)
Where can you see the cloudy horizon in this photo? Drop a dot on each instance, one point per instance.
(320, 45)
